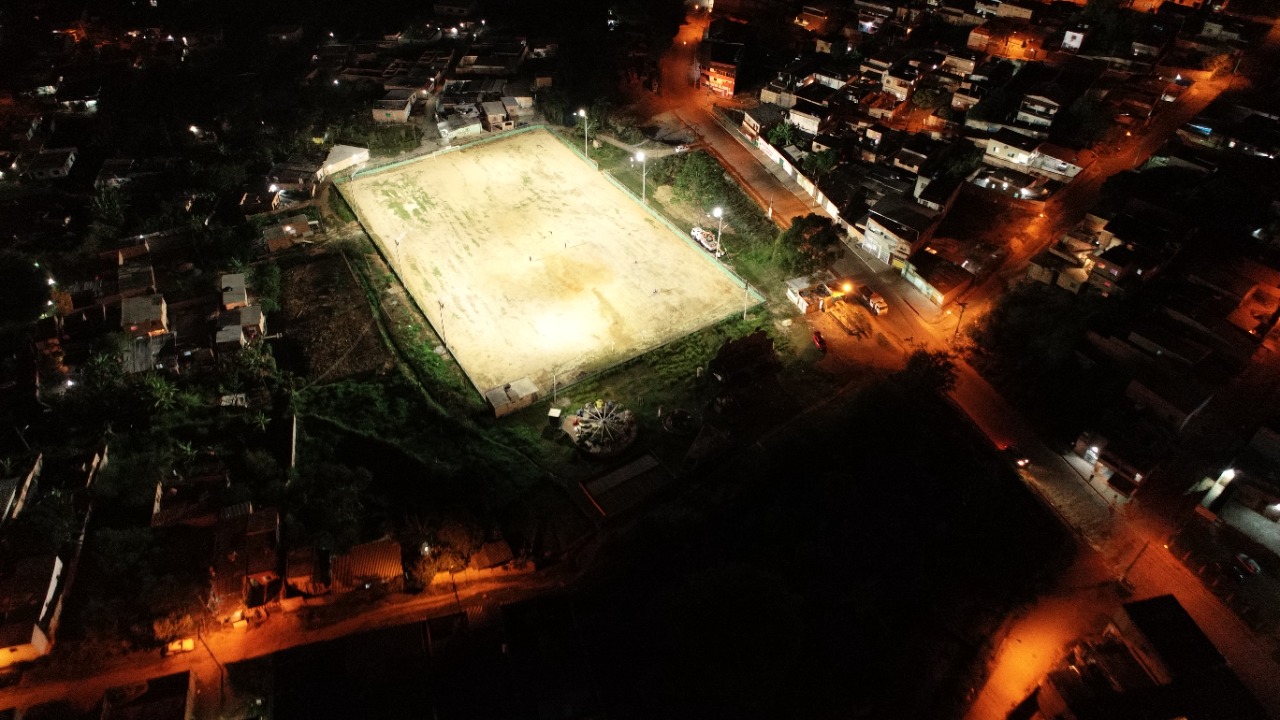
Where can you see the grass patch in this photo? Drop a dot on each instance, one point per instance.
(339, 207)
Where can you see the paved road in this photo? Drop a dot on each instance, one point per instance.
(696, 110)
(279, 632)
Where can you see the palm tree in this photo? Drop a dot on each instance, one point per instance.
(163, 394)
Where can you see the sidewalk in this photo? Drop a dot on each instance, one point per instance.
(772, 167)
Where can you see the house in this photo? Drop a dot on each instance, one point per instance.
(235, 294)
(302, 571)
(900, 80)
(939, 279)
(1246, 495)
(1012, 183)
(51, 164)
(284, 34)
(898, 227)
(394, 107)
(937, 195)
(239, 327)
(1057, 162)
(811, 293)
(812, 107)
(145, 316)
(31, 593)
(492, 554)
(363, 565)
(453, 127)
(172, 697)
(1117, 265)
(297, 176)
(1040, 105)
(283, 235)
(258, 202)
(150, 352)
(1150, 660)
(114, 172)
(493, 115)
(1173, 399)
(134, 274)
(961, 62)
(342, 157)
(245, 571)
(455, 8)
(758, 119)
(1126, 449)
(1010, 149)
(190, 501)
(14, 490)
(718, 62)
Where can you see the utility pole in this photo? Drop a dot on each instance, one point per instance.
(956, 335)
(222, 670)
(1124, 577)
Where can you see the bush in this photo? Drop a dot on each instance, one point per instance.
(339, 207)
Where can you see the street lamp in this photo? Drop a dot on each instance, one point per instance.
(718, 214)
(583, 114)
(644, 178)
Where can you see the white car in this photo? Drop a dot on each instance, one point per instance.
(177, 647)
(707, 240)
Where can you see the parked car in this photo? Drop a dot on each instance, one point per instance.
(1248, 564)
(819, 341)
(1015, 456)
(177, 647)
(1229, 570)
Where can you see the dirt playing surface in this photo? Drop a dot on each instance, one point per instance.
(528, 261)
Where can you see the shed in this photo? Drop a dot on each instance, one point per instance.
(626, 487)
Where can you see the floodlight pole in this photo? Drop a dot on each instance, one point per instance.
(644, 178)
(718, 214)
(444, 339)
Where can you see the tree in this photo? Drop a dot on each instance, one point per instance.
(456, 540)
(1033, 331)
(995, 106)
(24, 290)
(819, 164)
(264, 278)
(958, 160)
(783, 134)
(161, 391)
(929, 98)
(1219, 64)
(811, 242)
(326, 502)
(699, 180)
(108, 210)
(1082, 123)
(931, 371)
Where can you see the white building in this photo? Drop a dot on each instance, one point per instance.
(342, 157)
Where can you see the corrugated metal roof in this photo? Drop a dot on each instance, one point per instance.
(378, 561)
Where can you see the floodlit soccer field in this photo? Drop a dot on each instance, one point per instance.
(528, 261)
